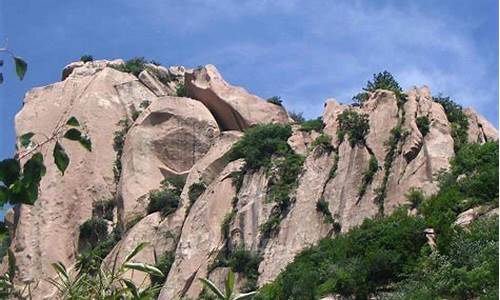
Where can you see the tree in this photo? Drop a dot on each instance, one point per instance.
(229, 293)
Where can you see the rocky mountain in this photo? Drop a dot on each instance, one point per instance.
(170, 133)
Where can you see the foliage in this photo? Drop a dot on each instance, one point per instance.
(368, 176)
(20, 65)
(415, 196)
(322, 207)
(360, 97)
(354, 264)
(336, 158)
(229, 292)
(354, 125)
(118, 144)
(86, 58)
(457, 118)
(110, 282)
(196, 190)
(4, 240)
(323, 142)
(423, 125)
(163, 263)
(276, 100)
(237, 179)
(468, 270)
(313, 124)
(245, 262)
(134, 66)
(297, 117)
(19, 184)
(104, 209)
(226, 223)
(180, 90)
(259, 144)
(164, 200)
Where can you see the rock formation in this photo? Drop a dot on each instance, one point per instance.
(167, 136)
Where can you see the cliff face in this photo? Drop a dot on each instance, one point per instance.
(171, 137)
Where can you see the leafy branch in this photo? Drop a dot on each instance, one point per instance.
(21, 65)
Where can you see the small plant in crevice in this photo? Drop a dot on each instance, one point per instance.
(423, 125)
(415, 196)
(118, 144)
(354, 125)
(323, 143)
(368, 176)
(297, 117)
(134, 66)
(398, 133)
(181, 90)
(336, 158)
(135, 113)
(322, 207)
(313, 124)
(195, 191)
(276, 100)
(166, 199)
(237, 179)
(86, 58)
(226, 224)
(162, 263)
(457, 118)
(104, 209)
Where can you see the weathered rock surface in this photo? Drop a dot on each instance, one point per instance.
(233, 107)
(165, 141)
(467, 217)
(48, 231)
(201, 237)
(176, 136)
(480, 130)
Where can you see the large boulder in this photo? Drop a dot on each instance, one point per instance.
(233, 107)
(165, 141)
(48, 231)
(480, 130)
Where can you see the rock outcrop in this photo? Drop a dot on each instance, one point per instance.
(143, 132)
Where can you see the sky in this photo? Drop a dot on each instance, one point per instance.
(302, 51)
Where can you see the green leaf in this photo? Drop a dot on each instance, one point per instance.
(73, 134)
(144, 268)
(85, 142)
(33, 171)
(131, 287)
(207, 283)
(25, 139)
(244, 296)
(4, 195)
(60, 157)
(134, 252)
(72, 121)
(230, 283)
(21, 67)
(10, 171)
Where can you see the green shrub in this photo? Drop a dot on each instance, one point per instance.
(163, 200)
(118, 144)
(353, 124)
(297, 117)
(245, 262)
(86, 58)
(355, 264)
(134, 66)
(195, 191)
(415, 196)
(324, 142)
(276, 100)
(368, 176)
(360, 97)
(423, 125)
(259, 144)
(226, 224)
(322, 207)
(94, 230)
(237, 179)
(457, 118)
(313, 124)
(333, 170)
(176, 183)
(180, 90)
(271, 226)
(104, 209)
(4, 240)
(163, 263)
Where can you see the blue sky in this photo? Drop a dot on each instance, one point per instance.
(303, 51)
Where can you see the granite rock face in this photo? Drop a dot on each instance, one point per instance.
(222, 206)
